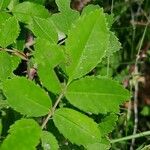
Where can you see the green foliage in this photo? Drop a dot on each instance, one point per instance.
(80, 51)
(34, 101)
(56, 77)
(24, 134)
(5, 65)
(25, 11)
(46, 61)
(4, 4)
(8, 34)
(66, 17)
(108, 124)
(44, 29)
(76, 127)
(106, 98)
(49, 141)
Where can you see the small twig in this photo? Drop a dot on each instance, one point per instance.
(51, 112)
(146, 133)
(112, 6)
(16, 52)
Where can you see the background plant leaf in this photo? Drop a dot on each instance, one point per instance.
(49, 141)
(107, 124)
(114, 45)
(23, 135)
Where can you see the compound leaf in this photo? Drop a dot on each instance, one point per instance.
(25, 11)
(23, 135)
(26, 97)
(86, 50)
(76, 127)
(96, 95)
(8, 34)
(49, 141)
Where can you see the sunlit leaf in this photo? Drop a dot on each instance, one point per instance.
(76, 127)
(97, 95)
(49, 141)
(86, 50)
(25, 11)
(26, 97)
(23, 135)
(8, 34)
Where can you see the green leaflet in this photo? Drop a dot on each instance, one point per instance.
(44, 29)
(48, 53)
(76, 127)
(96, 95)
(3, 17)
(37, 1)
(23, 135)
(5, 65)
(114, 45)
(49, 78)
(26, 97)
(98, 146)
(4, 4)
(47, 56)
(66, 17)
(12, 4)
(25, 11)
(86, 50)
(8, 34)
(107, 124)
(49, 141)
(89, 8)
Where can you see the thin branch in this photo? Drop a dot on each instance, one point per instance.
(146, 133)
(51, 112)
(16, 52)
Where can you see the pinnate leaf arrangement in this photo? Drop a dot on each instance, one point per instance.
(57, 107)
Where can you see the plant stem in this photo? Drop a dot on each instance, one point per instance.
(146, 133)
(136, 71)
(51, 112)
(16, 52)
